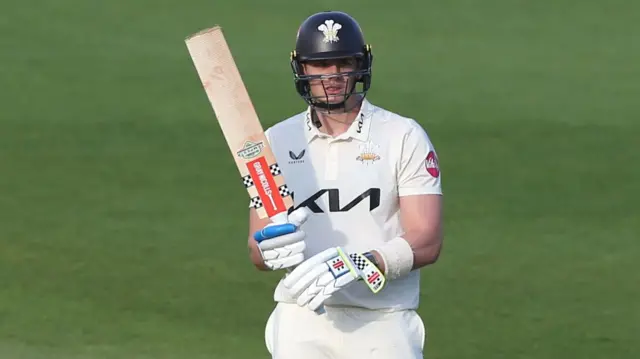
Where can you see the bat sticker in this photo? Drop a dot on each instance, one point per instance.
(251, 150)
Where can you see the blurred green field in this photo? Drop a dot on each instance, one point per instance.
(122, 228)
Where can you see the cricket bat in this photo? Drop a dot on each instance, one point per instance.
(241, 127)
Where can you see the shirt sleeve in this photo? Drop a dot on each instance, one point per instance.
(419, 171)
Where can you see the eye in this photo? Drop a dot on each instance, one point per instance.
(349, 62)
(320, 63)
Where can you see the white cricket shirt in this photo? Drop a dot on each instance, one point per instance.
(351, 183)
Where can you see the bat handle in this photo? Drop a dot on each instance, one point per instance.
(280, 226)
(280, 218)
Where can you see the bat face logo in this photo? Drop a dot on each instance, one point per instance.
(251, 150)
(270, 195)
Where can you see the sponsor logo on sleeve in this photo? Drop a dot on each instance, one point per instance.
(431, 163)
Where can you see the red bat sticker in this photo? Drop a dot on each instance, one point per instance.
(266, 186)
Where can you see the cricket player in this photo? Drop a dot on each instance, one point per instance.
(367, 192)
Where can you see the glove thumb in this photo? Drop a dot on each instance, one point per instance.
(299, 216)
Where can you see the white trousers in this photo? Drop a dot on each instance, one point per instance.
(294, 332)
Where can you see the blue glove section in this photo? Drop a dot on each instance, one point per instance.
(274, 231)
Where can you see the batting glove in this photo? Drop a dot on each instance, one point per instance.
(319, 277)
(282, 245)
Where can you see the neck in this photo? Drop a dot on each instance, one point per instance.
(336, 123)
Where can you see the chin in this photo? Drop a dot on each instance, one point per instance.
(336, 98)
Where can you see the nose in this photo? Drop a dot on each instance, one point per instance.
(334, 69)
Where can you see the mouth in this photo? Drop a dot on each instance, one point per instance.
(334, 90)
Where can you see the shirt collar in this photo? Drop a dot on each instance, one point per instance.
(358, 130)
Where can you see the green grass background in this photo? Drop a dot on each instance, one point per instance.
(122, 227)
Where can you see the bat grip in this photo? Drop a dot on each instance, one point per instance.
(280, 218)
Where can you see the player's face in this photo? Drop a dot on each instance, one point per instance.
(330, 87)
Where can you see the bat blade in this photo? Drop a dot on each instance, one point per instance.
(240, 124)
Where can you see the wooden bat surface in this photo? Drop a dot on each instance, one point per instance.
(241, 127)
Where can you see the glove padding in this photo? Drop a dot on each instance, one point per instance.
(282, 245)
(318, 278)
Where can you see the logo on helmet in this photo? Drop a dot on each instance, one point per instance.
(330, 30)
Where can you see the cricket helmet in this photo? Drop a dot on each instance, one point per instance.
(330, 35)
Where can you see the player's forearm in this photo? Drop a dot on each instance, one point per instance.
(426, 245)
(255, 224)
